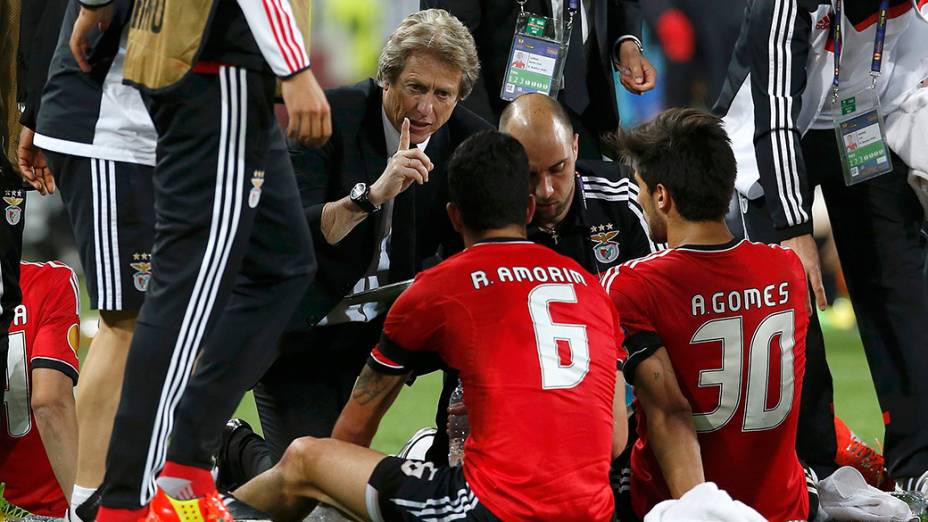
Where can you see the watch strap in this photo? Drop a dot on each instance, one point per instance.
(363, 202)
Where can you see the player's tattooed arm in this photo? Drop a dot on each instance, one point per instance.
(372, 385)
(373, 394)
(671, 432)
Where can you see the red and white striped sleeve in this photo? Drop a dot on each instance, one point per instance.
(275, 30)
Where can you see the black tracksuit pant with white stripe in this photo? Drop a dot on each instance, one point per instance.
(877, 228)
(232, 257)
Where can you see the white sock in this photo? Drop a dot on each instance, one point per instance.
(79, 495)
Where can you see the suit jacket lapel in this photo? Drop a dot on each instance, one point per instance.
(373, 145)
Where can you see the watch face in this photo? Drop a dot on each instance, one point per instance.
(357, 191)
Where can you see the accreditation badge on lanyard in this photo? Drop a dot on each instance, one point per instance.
(857, 118)
(538, 53)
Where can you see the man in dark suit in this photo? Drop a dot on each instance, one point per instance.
(375, 199)
(606, 35)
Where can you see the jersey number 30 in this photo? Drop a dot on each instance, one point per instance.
(555, 374)
(728, 378)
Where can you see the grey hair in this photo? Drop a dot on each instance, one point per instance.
(434, 31)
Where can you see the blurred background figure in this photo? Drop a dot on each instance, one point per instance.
(697, 38)
(606, 37)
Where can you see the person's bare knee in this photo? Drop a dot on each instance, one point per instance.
(300, 461)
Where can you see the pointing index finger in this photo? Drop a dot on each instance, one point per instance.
(404, 135)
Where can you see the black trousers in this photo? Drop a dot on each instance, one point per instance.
(231, 258)
(305, 390)
(877, 229)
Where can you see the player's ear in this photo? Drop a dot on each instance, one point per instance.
(575, 146)
(530, 209)
(662, 197)
(454, 214)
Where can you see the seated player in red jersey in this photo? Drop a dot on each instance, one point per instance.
(536, 341)
(715, 331)
(39, 401)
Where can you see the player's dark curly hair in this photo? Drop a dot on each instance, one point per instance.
(488, 181)
(688, 152)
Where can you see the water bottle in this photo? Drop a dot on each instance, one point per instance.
(458, 429)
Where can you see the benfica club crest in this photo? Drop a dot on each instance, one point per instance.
(14, 210)
(254, 196)
(604, 248)
(142, 267)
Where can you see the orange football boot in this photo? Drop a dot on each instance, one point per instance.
(164, 508)
(855, 453)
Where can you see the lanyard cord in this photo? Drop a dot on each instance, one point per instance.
(878, 40)
(572, 7)
(877, 61)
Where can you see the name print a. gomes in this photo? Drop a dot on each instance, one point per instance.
(740, 300)
(519, 274)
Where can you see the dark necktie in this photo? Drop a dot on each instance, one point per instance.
(576, 95)
(403, 237)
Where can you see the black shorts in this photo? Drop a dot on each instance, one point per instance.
(111, 206)
(411, 490)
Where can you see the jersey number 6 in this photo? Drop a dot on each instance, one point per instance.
(554, 374)
(730, 332)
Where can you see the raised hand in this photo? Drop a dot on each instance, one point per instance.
(407, 166)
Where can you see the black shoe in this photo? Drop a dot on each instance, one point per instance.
(917, 484)
(242, 511)
(88, 510)
(229, 477)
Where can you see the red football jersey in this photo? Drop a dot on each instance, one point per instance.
(733, 319)
(44, 334)
(536, 342)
